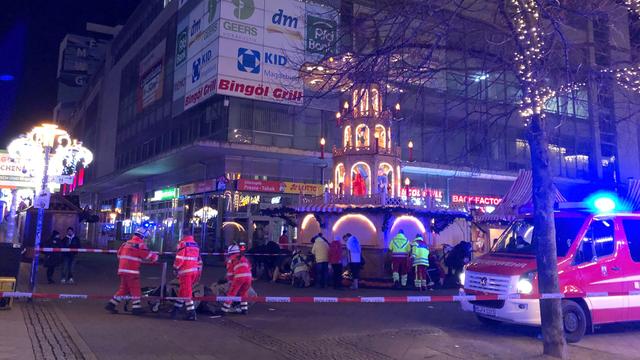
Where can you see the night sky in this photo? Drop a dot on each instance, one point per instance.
(30, 34)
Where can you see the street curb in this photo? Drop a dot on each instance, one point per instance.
(73, 333)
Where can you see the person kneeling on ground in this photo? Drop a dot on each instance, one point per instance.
(300, 269)
(239, 274)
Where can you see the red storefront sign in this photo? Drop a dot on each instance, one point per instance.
(260, 186)
(476, 200)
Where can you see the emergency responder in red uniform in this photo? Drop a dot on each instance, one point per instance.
(130, 255)
(188, 266)
(239, 275)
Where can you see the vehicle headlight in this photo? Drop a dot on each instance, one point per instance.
(461, 276)
(524, 286)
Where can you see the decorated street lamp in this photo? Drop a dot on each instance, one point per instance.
(49, 155)
(407, 182)
(322, 144)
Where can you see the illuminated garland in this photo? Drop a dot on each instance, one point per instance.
(442, 219)
(633, 5)
(628, 77)
(528, 57)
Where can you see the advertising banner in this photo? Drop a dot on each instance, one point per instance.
(180, 71)
(203, 26)
(282, 187)
(202, 67)
(301, 188)
(243, 21)
(198, 187)
(260, 186)
(284, 24)
(11, 175)
(151, 75)
(479, 200)
(322, 31)
(249, 48)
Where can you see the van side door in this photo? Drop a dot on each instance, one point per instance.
(597, 263)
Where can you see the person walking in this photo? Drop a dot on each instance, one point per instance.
(188, 266)
(354, 254)
(52, 259)
(239, 274)
(73, 242)
(420, 262)
(335, 259)
(320, 251)
(131, 255)
(400, 249)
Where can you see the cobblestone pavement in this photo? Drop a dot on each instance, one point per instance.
(50, 339)
(334, 347)
(287, 331)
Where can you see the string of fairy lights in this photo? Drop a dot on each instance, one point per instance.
(528, 57)
(628, 77)
(633, 5)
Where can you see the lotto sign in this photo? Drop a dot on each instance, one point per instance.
(301, 188)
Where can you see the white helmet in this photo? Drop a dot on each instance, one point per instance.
(233, 249)
(142, 232)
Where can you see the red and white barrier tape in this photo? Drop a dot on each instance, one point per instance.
(103, 251)
(327, 299)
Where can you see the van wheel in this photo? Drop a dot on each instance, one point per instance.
(574, 320)
(488, 321)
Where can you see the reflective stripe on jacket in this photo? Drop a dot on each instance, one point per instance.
(400, 245)
(420, 253)
(238, 267)
(187, 256)
(131, 254)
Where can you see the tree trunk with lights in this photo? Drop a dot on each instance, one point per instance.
(544, 234)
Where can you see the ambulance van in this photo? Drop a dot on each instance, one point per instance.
(596, 254)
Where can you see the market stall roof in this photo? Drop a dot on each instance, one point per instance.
(342, 208)
(518, 197)
(60, 204)
(633, 194)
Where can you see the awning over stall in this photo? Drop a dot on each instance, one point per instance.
(518, 197)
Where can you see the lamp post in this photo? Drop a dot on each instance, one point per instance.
(410, 146)
(43, 152)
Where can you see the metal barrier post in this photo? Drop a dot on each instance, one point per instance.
(163, 280)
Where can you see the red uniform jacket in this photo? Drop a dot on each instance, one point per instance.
(238, 267)
(131, 254)
(188, 256)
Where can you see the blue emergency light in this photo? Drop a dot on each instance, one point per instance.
(604, 202)
(148, 224)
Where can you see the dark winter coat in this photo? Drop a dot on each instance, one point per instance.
(53, 259)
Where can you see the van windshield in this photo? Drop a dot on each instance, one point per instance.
(517, 239)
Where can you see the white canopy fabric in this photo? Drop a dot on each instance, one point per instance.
(519, 196)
